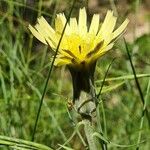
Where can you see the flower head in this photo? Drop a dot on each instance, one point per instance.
(80, 46)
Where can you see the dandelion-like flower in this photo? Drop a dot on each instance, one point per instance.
(79, 50)
(81, 46)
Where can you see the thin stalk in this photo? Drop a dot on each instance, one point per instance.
(39, 7)
(126, 77)
(142, 117)
(31, 36)
(3, 86)
(81, 138)
(20, 144)
(54, 12)
(99, 126)
(87, 117)
(89, 134)
(103, 144)
(104, 119)
(49, 73)
(99, 93)
(137, 83)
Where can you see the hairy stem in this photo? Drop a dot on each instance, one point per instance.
(88, 129)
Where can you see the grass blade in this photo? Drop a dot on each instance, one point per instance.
(137, 83)
(49, 73)
(21, 144)
(142, 117)
(125, 77)
(103, 143)
(99, 93)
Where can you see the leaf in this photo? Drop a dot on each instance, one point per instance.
(114, 144)
(126, 77)
(21, 144)
(110, 88)
(65, 147)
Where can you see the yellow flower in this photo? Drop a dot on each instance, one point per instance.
(80, 46)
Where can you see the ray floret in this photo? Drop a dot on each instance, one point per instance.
(80, 43)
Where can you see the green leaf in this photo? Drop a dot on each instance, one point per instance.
(110, 88)
(114, 144)
(126, 77)
(21, 144)
(65, 147)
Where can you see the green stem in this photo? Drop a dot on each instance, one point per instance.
(88, 129)
(143, 114)
(49, 74)
(104, 119)
(21, 144)
(85, 104)
(103, 144)
(137, 84)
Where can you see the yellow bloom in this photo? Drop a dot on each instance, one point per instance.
(80, 45)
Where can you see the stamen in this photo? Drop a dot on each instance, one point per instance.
(65, 57)
(96, 49)
(80, 49)
(70, 53)
(74, 61)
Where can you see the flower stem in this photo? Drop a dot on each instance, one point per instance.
(88, 129)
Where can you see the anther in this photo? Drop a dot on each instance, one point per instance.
(80, 49)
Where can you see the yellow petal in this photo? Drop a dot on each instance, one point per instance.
(41, 30)
(60, 22)
(102, 51)
(110, 46)
(45, 24)
(104, 27)
(94, 24)
(82, 22)
(60, 62)
(107, 35)
(45, 35)
(122, 27)
(110, 26)
(46, 30)
(73, 25)
(37, 34)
